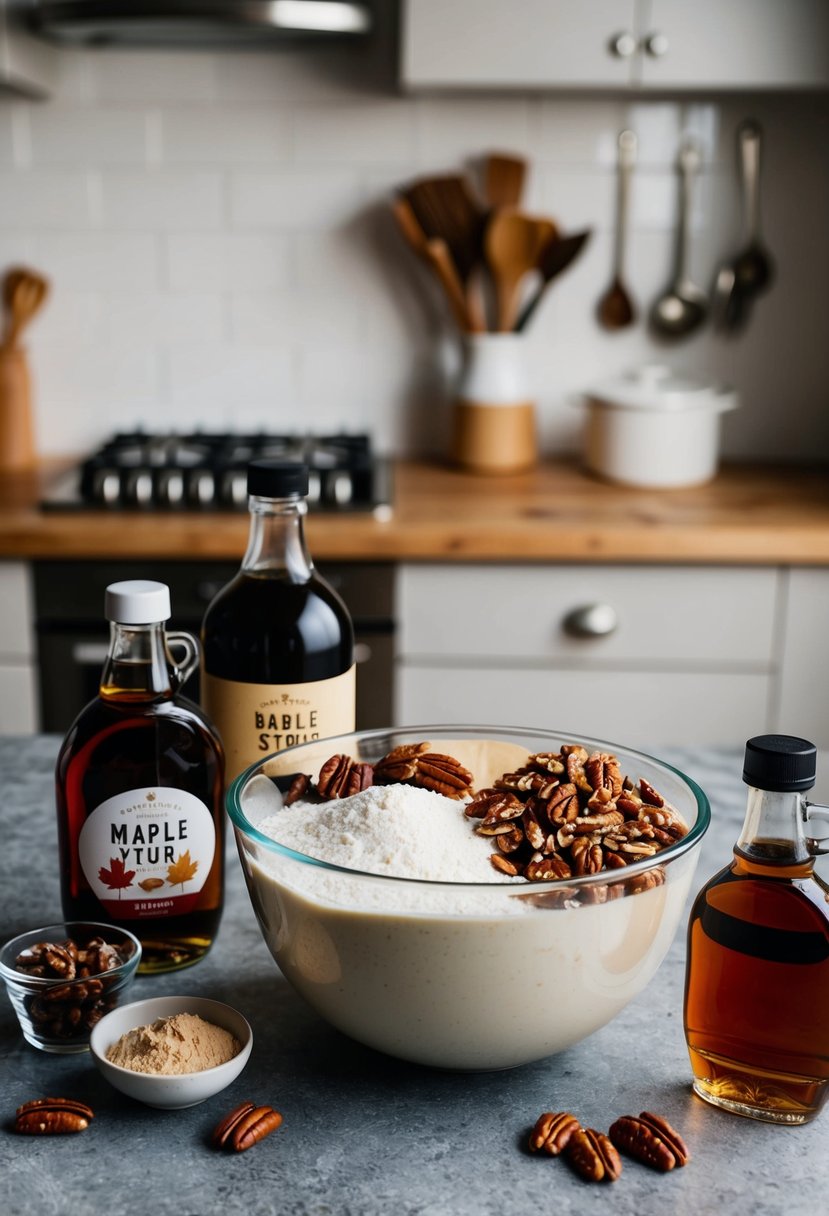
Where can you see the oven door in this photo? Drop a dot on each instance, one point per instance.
(72, 636)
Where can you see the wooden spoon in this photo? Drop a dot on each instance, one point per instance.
(24, 292)
(435, 252)
(616, 309)
(504, 179)
(513, 244)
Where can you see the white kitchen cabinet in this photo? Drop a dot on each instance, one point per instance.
(688, 655)
(28, 65)
(612, 44)
(17, 662)
(804, 684)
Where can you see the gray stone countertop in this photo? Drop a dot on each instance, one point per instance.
(363, 1133)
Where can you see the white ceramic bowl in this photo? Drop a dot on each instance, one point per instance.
(170, 1093)
(463, 975)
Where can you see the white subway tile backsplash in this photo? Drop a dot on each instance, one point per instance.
(293, 198)
(88, 136)
(451, 130)
(226, 261)
(299, 316)
(224, 135)
(161, 199)
(369, 133)
(126, 75)
(578, 132)
(234, 383)
(99, 261)
(47, 198)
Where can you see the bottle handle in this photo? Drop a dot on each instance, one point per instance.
(181, 672)
(817, 845)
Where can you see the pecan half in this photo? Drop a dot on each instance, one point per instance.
(587, 855)
(496, 807)
(563, 804)
(546, 762)
(544, 869)
(340, 777)
(651, 1140)
(52, 1117)
(592, 1156)
(504, 865)
(442, 774)
(399, 764)
(552, 1132)
(603, 773)
(245, 1126)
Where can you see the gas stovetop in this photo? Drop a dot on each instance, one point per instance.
(204, 471)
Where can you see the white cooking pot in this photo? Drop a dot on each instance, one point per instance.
(651, 427)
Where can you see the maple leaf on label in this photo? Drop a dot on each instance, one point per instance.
(182, 870)
(116, 877)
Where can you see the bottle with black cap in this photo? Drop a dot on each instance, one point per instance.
(757, 971)
(140, 791)
(277, 641)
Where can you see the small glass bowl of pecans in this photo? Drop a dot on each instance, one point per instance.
(62, 979)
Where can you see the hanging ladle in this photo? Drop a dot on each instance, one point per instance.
(615, 309)
(746, 276)
(684, 306)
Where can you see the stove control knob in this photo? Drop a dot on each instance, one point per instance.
(170, 488)
(340, 487)
(106, 487)
(314, 487)
(202, 488)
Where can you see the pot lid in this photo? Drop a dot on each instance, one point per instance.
(656, 387)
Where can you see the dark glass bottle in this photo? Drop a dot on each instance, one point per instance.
(757, 979)
(277, 641)
(140, 787)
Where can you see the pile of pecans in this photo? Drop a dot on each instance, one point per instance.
(82, 996)
(568, 813)
(560, 815)
(594, 1156)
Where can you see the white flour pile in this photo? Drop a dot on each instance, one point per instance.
(397, 830)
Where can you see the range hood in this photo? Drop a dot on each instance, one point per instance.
(196, 23)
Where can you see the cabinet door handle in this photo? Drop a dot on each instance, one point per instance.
(656, 44)
(623, 45)
(591, 621)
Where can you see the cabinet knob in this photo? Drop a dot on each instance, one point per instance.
(623, 45)
(591, 621)
(656, 44)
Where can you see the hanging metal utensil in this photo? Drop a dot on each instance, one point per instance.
(684, 306)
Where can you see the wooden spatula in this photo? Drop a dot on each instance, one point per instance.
(513, 244)
(435, 252)
(555, 258)
(503, 179)
(445, 208)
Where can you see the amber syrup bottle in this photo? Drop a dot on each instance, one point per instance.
(140, 787)
(277, 641)
(757, 978)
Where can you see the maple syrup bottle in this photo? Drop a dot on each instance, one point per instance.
(140, 787)
(757, 978)
(277, 641)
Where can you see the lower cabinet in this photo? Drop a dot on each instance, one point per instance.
(648, 656)
(18, 711)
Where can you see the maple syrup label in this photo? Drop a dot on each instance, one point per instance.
(148, 852)
(255, 720)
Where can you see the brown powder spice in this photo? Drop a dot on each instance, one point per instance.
(174, 1046)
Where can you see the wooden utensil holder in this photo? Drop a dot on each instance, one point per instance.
(17, 445)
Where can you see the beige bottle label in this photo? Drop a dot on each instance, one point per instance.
(255, 720)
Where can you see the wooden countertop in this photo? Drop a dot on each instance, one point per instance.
(748, 515)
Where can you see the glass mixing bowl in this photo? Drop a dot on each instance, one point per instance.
(477, 976)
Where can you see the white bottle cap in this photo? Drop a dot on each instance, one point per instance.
(137, 602)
